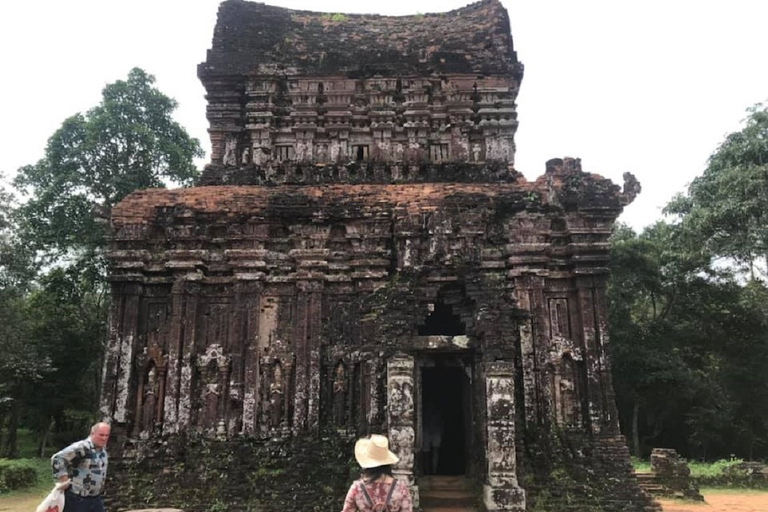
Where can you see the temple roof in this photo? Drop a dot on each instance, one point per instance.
(564, 184)
(255, 38)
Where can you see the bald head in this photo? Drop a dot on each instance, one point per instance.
(100, 434)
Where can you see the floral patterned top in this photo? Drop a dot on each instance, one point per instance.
(378, 490)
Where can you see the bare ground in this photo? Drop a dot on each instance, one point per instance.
(716, 500)
(720, 501)
(22, 501)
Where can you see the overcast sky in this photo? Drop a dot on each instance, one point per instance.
(648, 87)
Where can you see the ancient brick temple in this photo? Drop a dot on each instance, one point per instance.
(361, 256)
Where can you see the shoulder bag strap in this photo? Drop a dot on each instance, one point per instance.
(365, 493)
(389, 494)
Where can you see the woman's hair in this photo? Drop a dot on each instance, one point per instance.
(371, 474)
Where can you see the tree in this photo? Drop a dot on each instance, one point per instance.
(725, 214)
(128, 142)
(726, 208)
(54, 332)
(689, 345)
(641, 298)
(17, 269)
(21, 365)
(69, 328)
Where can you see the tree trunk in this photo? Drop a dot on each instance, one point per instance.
(11, 450)
(43, 441)
(635, 433)
(2, 437)
(765, 256)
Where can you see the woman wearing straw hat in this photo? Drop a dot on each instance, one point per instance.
(376, 490)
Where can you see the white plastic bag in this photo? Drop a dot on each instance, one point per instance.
(54, 502)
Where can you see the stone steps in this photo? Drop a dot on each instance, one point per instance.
(449, 482)
(447, 494)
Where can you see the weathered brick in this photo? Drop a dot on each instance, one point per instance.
(361, 248)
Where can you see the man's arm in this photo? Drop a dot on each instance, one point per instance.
(61, 461)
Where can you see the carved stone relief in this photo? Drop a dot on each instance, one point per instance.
(151, 365)
(277, 368)
(400, 402)
(213, 368)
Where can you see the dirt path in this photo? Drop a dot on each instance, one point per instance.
(721, 502)
(724, 501)
(22, 501)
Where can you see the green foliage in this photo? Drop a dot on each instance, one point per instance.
(726, 208)
(726, 474)
(67, 325)
(27, 444)
(16, 257)
(53, 323)
(689, 347)
(557, 475)
(218, 506)
(198, 473)
(640, 465)
(22, 364)
(17, 474)
(336, 17)
(129, 141)
(720, 474)
(711, 469)
(53, 349)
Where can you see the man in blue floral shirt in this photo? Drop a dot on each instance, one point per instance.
(84, 464)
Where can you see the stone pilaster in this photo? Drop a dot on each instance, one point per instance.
(171, 405)
(501, 491)
(252, 294)
(186, 354)
(529, 295)
(594, 357)
(124, 347)
(111, 356)
(400, 411)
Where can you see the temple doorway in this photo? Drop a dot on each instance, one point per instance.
(445, 419)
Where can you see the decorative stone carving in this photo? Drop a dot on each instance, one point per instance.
(276, 398)
(230, 152)
(501, 491)
(149, 397)
(371, 177)
(150, 401)
(213, 365)
(400, 413)
(340, 395)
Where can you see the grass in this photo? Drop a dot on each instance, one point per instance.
(21, 501)
(27, 445)
(27, 499)
(641, 466)
(44, 476)
(711, 468)
(716, 477)
(698, 469)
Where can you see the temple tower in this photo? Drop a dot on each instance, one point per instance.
(361, 256)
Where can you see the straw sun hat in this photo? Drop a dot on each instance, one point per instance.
(373, 451)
